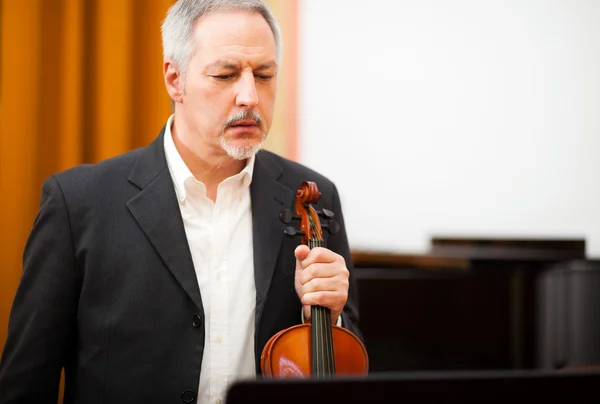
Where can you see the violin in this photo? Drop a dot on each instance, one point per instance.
(316, 348)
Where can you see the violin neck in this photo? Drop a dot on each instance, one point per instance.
(323, 365)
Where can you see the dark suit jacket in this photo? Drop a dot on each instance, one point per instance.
(109, 291)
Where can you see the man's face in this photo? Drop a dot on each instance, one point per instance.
(230, 84)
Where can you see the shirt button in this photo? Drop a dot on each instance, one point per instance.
(218, 275)
(196, 320)
(219, 339)
(188, 396)
(218, 401)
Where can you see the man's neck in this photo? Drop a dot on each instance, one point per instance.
(209, 168)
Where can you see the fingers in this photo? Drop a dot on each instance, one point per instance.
(331, 284)
(319, 271)
(333, 300)
(321, 279)
(319, 263)
(317, 254)
(301, 252)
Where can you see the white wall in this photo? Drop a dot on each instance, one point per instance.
(462, 117)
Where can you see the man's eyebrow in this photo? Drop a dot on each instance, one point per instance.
(228, 64)
(267, 65)
(225, 64)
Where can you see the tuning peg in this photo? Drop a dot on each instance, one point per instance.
(332, 227)
(286, 216)
(292, 231)
(326, 214)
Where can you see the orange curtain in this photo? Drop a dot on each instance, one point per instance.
(81, 81)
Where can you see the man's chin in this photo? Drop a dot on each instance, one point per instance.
(241, 151)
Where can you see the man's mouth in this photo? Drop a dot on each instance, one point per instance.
(244, 123)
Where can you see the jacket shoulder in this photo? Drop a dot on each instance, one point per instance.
(294, 173)
(89, 181)
(105, 169)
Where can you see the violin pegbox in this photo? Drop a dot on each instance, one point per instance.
(310, 219)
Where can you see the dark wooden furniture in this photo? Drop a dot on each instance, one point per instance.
(425, 387)
(467, 304)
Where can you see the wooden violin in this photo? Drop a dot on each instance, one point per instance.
(316, 348)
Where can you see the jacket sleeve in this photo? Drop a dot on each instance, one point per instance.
(339, 243)
(42, 320)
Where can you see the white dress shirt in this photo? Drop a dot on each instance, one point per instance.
(220, 239)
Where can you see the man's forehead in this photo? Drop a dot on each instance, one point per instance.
(234, 29)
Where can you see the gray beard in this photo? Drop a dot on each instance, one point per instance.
(240, 153)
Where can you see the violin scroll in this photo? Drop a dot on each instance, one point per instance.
(310, 225)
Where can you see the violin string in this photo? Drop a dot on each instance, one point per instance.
(315, 312)
(328, 337)
(326, 342)
(314, 325)
(323, 335)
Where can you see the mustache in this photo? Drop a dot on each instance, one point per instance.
(242, 116)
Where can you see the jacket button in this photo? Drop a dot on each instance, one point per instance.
(188, 396)
(196, 320)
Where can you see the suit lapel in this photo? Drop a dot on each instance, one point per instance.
(268, 197)
(157, 212)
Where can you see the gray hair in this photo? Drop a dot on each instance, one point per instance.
(178, 26)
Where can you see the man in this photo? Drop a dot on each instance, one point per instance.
(159, 275)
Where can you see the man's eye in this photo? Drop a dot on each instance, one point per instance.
(224, 77)
(264, 77)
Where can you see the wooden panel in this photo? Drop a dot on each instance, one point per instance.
(469, 304)
(436, 322)
(365, 259)
(511, 249)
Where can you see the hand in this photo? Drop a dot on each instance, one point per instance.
(321, 280)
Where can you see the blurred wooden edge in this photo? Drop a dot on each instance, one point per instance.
(367, 259)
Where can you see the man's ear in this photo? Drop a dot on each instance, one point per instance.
(173, 80)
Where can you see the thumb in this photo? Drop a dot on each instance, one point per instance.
(301, 252)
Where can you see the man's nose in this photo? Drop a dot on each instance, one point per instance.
(246, 91)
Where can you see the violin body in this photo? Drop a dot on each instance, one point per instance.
(288, 353)
(317, 348)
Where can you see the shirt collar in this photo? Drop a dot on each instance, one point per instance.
(180, 172)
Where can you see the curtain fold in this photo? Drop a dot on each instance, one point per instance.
(81, 82)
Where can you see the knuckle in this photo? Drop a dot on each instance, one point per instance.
(311, 286)
(317, 269)
(315, 254)
(311, 299)
(305, 289)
